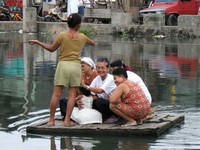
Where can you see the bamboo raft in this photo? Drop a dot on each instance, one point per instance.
(155, 126)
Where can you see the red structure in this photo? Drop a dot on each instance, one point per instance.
(14, 3)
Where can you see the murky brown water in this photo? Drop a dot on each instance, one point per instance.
(169, 67)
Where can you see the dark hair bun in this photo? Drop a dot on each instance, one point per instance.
(117, 63)
(73, 20)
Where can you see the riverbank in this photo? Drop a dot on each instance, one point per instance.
(107, 29)
(188, 27)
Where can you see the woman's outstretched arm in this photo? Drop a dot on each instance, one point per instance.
(50, 48)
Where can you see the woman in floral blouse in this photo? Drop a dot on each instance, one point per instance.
(128, 100)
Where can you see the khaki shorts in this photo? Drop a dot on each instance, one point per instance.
(68, 74)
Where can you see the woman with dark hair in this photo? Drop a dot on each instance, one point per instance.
(132, 77)
(128, 100)
(120, 63)
(68, 70)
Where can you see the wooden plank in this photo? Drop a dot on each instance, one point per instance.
(158, 118)
(153, 127)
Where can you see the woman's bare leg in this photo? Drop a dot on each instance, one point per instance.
(130, 120)
(53, 104)
(70, 104)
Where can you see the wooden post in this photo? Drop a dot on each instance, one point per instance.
(29, 17)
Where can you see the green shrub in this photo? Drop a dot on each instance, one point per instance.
(88, 32)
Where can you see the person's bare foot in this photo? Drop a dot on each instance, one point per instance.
(133, 123)
(140, 122)
(150, 113)
(50, 124)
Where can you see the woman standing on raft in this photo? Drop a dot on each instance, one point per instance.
(68, 70)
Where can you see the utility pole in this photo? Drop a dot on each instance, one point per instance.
(29, 17)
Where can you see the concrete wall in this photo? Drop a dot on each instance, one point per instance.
(121, 19)
(154, 19)
(190, 23)
(188, 26)
(16, 26)
(10, 26)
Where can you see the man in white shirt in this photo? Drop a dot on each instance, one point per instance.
(101, 88)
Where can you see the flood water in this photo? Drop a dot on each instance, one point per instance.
(169, 67)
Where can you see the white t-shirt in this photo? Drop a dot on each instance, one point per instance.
(135, 78)
(108, 85)
(72, 6)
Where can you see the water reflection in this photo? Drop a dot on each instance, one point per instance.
(170, 68)
(95, 143)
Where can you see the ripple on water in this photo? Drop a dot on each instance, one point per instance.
(185, 137)
(33, 117)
